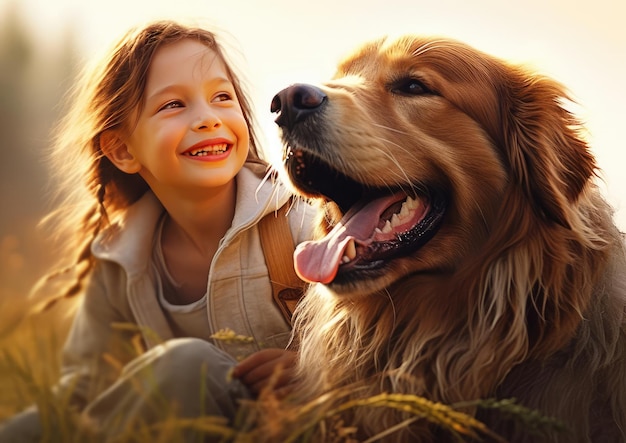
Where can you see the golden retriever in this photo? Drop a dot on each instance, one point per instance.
(464, 250)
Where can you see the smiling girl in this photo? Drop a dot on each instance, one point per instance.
(160, 137)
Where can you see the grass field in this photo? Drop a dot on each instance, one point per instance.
(30, 365)
(29, 354)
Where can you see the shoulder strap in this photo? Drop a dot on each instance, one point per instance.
(278, 247)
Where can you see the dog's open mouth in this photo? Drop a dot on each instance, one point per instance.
(377, 226)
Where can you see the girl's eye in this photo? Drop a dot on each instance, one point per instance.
(171, 105)
(222, 97)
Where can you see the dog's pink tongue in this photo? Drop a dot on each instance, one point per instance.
(318, 261)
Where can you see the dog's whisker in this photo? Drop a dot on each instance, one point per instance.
(402, 177)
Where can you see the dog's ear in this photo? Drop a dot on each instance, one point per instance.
(543, 143)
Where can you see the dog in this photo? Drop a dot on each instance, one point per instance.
(464, 250)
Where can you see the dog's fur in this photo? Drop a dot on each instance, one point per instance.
(520, 292)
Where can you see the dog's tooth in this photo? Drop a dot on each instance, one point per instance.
(350, 252)
(411, 203)
(395, 220)
(404, 211)
(387, 228)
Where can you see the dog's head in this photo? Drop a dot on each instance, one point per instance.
(424, 150)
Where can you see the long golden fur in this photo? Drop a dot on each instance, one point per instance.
(513, 287)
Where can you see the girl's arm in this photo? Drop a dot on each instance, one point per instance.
(100, 340)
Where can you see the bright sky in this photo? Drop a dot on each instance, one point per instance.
(580, 43)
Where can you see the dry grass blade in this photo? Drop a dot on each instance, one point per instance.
(458, 423)
(29, 369)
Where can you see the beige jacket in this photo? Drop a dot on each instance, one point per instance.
(122, 290)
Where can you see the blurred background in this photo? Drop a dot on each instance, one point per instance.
(43, 43)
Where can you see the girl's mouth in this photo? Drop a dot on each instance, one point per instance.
(208, 150)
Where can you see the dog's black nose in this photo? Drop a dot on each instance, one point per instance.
(295, 103)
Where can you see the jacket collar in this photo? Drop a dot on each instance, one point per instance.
(129, 240)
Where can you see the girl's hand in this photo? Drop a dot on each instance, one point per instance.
(256, 370)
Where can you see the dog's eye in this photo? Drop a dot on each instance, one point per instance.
(409, 86)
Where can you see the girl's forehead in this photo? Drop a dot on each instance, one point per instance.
(182, 59)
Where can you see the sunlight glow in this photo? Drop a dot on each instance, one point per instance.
(283, 42)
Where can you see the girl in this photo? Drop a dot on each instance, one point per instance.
(161, 134)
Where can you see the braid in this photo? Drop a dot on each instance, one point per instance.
(94, 221)
(82, 266)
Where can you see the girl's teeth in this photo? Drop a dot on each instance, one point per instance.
(209, 150)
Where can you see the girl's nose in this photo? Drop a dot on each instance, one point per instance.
(207, 120)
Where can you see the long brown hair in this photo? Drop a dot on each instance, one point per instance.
(106, 96)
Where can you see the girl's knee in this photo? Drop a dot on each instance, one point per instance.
(189, 364)
(194, 351)
(188, 352)
(189, 375)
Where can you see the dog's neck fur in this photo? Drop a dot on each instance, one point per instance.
(450, 352)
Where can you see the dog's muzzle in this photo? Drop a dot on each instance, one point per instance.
(295, 103)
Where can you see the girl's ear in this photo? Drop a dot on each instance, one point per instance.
(114, 148)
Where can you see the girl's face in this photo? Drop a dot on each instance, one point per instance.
(191, 134)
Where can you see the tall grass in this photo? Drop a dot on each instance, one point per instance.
(30, 367)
